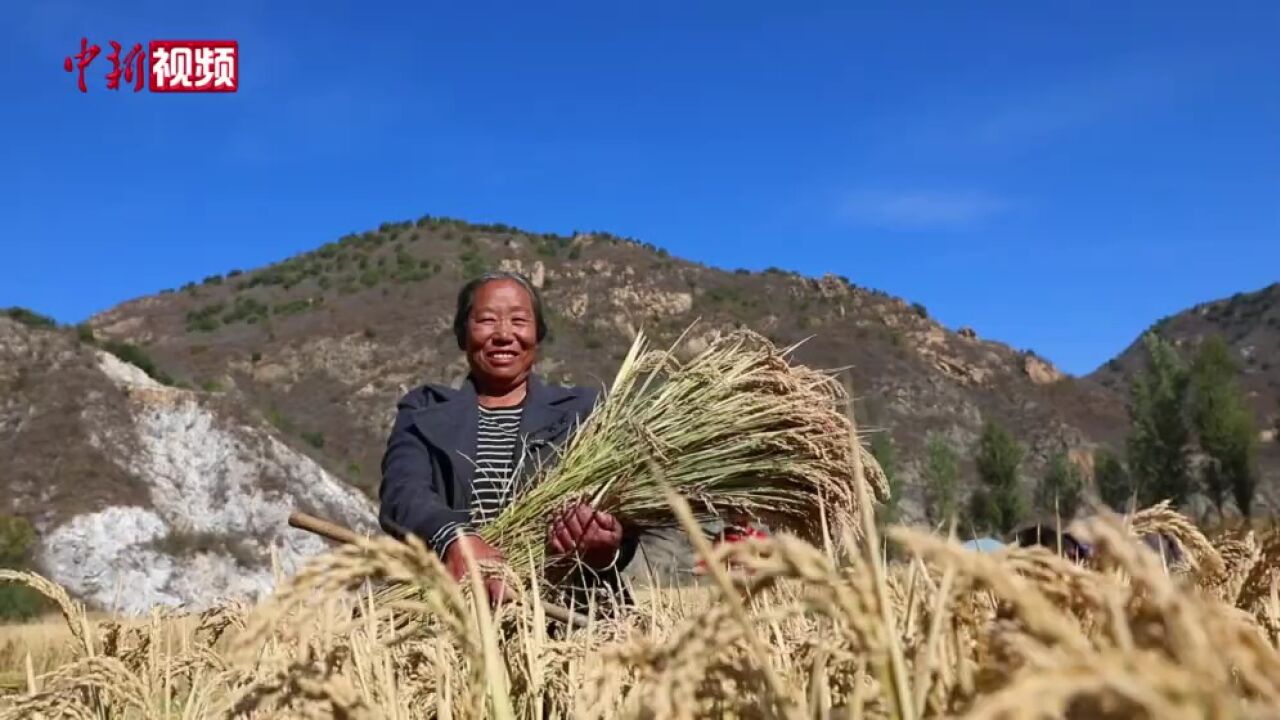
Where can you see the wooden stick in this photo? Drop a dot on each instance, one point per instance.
(325, 529)
(338, 533)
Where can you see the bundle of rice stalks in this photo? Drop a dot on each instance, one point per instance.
(737, 430)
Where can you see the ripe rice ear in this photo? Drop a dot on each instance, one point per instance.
(737, 431)
(1162, 519)
(72, 611)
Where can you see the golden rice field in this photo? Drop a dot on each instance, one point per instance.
(792, 631)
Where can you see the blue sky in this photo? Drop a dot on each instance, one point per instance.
(1057, 176)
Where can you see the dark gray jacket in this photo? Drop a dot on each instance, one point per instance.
(427, 474)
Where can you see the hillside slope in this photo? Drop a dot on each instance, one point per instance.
(322, 344)
(144, 494)
(1249, 322)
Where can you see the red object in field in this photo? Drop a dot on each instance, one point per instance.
(738, 534)
(731, 534)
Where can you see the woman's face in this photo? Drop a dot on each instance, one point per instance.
(502, 333)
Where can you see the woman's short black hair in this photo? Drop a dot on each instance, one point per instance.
(467, 298)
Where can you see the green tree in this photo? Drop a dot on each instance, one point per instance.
(883, 450)
(1058, 492)
(1157, 445)
(997, 505)
(941, 479)
(1114, 486)
(30, 318)
(17, 537)
(1224, 426)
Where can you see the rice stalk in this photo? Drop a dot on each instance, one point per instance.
(737, 431)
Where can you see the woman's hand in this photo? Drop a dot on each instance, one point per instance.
(591, 535)
(483, 554)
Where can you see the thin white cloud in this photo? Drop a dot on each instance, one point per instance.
(1040, 115)
(981, 118)
(921, 210)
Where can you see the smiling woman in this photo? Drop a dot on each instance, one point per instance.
(456, 457)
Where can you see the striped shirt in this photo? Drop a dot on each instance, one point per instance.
(495, 462)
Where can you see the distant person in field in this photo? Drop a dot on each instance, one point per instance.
(456, 457)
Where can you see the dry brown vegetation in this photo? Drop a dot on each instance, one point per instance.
(795, 631)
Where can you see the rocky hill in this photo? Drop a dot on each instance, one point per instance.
(321, 344)
(145, 494)
(1250, 324)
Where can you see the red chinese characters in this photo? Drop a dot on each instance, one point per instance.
(195, 65)
(87, 54)
(176, 65)
(133, 64)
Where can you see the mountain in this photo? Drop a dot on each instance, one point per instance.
(159, 447)
(1249, 322)
(322, 344)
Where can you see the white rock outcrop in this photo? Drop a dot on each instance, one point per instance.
(216, 523)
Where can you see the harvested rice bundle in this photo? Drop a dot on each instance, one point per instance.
(737, 431)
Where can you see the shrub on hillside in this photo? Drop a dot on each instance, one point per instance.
(472, 264)
(415, 273)
(30, 318)
(281, 421)
(725, 295)
(17, 539)
(293, 307)
(138, 357)
(249, 309)
(547, 248)
(205, 319)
